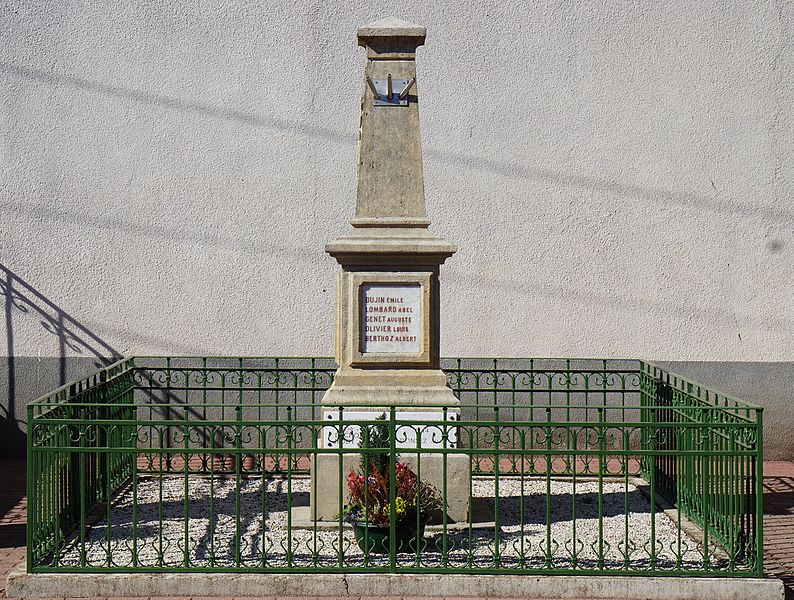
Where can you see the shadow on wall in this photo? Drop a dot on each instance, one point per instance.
(22, 300)
(710, 202)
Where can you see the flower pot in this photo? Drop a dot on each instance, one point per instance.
(375, 539)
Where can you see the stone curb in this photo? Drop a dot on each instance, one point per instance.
(23, 585)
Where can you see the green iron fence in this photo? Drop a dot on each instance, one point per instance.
(553, 466)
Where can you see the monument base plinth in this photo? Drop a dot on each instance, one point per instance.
(327, 483)
(389, 387)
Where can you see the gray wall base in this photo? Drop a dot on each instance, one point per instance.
(768, 384)
(25, 378)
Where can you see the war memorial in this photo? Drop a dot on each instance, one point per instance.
(389, 469)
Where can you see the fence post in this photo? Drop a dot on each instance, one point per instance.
(652, 448)
(74, 460)
(238, 463)
(759, 494)
(32, 475)
(392, 490)
(102, 412)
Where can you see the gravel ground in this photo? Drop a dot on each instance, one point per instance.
(153, 529)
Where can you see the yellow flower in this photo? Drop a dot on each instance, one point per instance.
(400, 507)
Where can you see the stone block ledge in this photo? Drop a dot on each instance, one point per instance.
(23, 585)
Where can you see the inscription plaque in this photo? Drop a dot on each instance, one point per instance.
(391, 319)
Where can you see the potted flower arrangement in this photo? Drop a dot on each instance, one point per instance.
(369, 505)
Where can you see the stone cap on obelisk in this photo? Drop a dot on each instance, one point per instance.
(390, 223)
(389, 28)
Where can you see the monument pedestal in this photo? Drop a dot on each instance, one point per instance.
(387, 299)
(386, 387)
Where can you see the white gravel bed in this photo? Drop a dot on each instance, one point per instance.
(153, 529)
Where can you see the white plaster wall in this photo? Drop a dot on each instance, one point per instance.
(618, 175)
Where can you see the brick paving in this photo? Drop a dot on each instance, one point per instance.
(778, 526)
(779, 522)
(12, 517)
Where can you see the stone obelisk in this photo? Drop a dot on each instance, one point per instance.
(387, 298)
